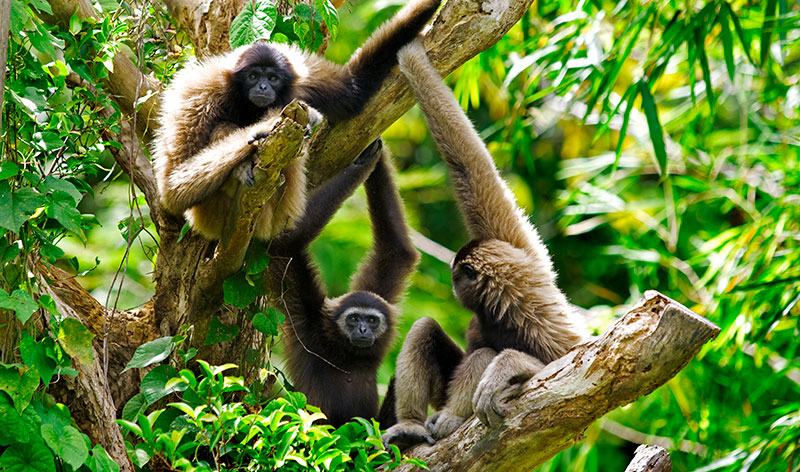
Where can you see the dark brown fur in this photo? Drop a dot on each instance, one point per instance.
(335, 375)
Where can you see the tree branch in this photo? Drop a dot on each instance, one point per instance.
(637, 354)
(650, 459)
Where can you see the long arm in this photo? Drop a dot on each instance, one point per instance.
(486, 203)
(347, 89)
(187, 183)
(392, 257)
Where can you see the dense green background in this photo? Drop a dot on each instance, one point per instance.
(694, 191)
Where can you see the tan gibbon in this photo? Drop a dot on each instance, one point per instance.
(214, 114)
(504, 275)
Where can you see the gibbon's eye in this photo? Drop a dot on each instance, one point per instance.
(372, 320)
(469, 271)
(252, 76)
(274, 78)
(352, 319)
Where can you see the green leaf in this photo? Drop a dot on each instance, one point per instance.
(100, 461)
(151, 352)
(16, 428)
(701, 54)
(255, 21)
(154, 384)
(135, 406)
(19, 384)
(76, 340)
(67, 443)
(19, 16)
(8, 169)
(264, 324)
(15, 207)
(727, 41)
(653, 124)
(21, 302)
(329, 15)
(770, 10)
(33, 456)
(62, 209)
(739, 31)
(238, 291)
(35, 354)
(219, 332)
(623, 131)
(53, 184)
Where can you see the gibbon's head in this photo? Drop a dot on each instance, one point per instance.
(363, 318)
(491, 277)
(264, 76)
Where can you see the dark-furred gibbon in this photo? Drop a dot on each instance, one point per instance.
(334, 346)
(214, 114)
(504, 275)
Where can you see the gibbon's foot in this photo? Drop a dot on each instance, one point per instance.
(406, 434)
(442, 423)
(502, 381)
(258, 137)
(244, 173)
(372, 152)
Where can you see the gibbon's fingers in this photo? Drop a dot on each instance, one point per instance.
(244, 173)
(487, 204)
(501, 381)
(258, 137)
(406, 434)
(392, 257)
(442, 423)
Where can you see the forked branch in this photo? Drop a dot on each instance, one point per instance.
(638, 353)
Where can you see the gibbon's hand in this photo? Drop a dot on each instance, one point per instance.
(244, 173)
(368, 155)
(314, 119)
(442, 423)
(502, 381)
(406, 434)
(258, 137)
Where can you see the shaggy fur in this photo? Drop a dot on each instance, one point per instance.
(505, 276)
(336, 375)
(206, 125)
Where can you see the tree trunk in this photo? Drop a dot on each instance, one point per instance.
(650, 459)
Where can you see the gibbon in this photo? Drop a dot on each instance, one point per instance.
(214, 114)
(334, 346)
(504, 275)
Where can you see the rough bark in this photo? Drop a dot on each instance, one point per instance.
(637, 354)
(650, 459)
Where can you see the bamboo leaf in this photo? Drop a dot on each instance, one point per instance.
(656, 132)
(739, 31)
(624, 128)
(701, 54)
(727, 41)
(766, 29)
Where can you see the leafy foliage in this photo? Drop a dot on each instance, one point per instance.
(207, 429)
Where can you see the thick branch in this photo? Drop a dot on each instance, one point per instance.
(206, 23)
(461, 30)
(637, 354)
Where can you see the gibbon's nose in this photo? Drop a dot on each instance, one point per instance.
(363, 329)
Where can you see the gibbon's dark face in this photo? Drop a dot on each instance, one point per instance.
(466, 276)
(264, 76)
(362, 319)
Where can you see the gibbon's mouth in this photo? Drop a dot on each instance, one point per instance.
(362, 342)
(262, 101)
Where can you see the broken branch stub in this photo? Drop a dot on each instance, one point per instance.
(637, 354)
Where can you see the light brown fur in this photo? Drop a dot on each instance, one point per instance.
(519, 309)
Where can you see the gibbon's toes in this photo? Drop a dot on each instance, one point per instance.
(370, 153)
(487, 403)
(442, 423)
(258, 137)
(244, 173)
(406, 434)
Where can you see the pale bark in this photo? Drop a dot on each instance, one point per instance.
(5, 20)
(650, 459)
(637, 354)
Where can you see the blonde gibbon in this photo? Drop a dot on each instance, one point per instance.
(504, 276)
(214, 114)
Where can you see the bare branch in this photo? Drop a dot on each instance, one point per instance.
(206, 23)
(637, 354)
(650, 459)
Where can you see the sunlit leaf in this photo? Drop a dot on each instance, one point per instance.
(654, 125)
